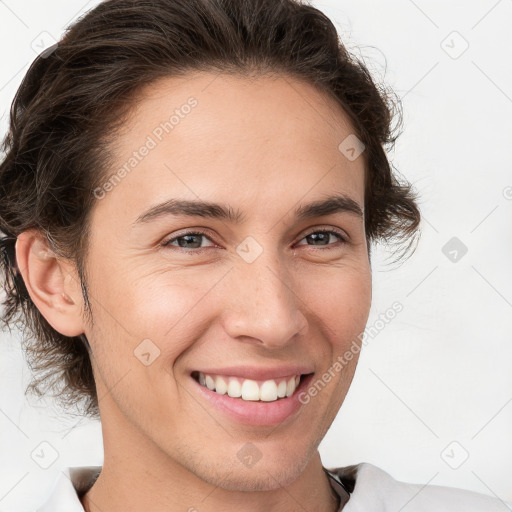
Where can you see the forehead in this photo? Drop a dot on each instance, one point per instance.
(236, 139)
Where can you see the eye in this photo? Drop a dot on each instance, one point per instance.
(189, 240)
(321, 237)
(192, 239)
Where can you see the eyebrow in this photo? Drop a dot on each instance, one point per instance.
(329, 205)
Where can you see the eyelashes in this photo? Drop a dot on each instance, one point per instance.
(325, 232)
(198, 234)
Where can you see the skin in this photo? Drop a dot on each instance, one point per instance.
(263, 146)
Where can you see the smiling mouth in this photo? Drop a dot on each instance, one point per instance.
(270, 390)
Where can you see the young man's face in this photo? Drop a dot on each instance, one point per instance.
(266, 292)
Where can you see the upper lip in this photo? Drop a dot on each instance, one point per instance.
(255, 373)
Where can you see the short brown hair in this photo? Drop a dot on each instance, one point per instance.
(74, 96)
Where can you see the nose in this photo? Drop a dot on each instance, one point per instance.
(263, 306)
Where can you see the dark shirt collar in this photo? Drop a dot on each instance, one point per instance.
(342, 481)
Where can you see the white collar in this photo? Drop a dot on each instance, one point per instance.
(70, 482)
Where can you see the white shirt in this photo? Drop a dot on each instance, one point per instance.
(371, 490)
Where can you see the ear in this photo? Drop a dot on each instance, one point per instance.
(51, 283)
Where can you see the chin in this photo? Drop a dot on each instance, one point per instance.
(265, 478)
(269, 473)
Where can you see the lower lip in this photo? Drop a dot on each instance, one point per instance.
(256, 412)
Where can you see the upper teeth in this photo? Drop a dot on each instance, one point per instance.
(247, 389)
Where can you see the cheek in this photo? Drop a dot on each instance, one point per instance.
(171, 308)
(341, 300)
(148, 300)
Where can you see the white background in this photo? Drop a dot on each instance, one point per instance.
(435, 385)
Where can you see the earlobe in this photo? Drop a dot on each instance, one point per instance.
(50, 283)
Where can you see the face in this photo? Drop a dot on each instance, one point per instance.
(174, 292)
